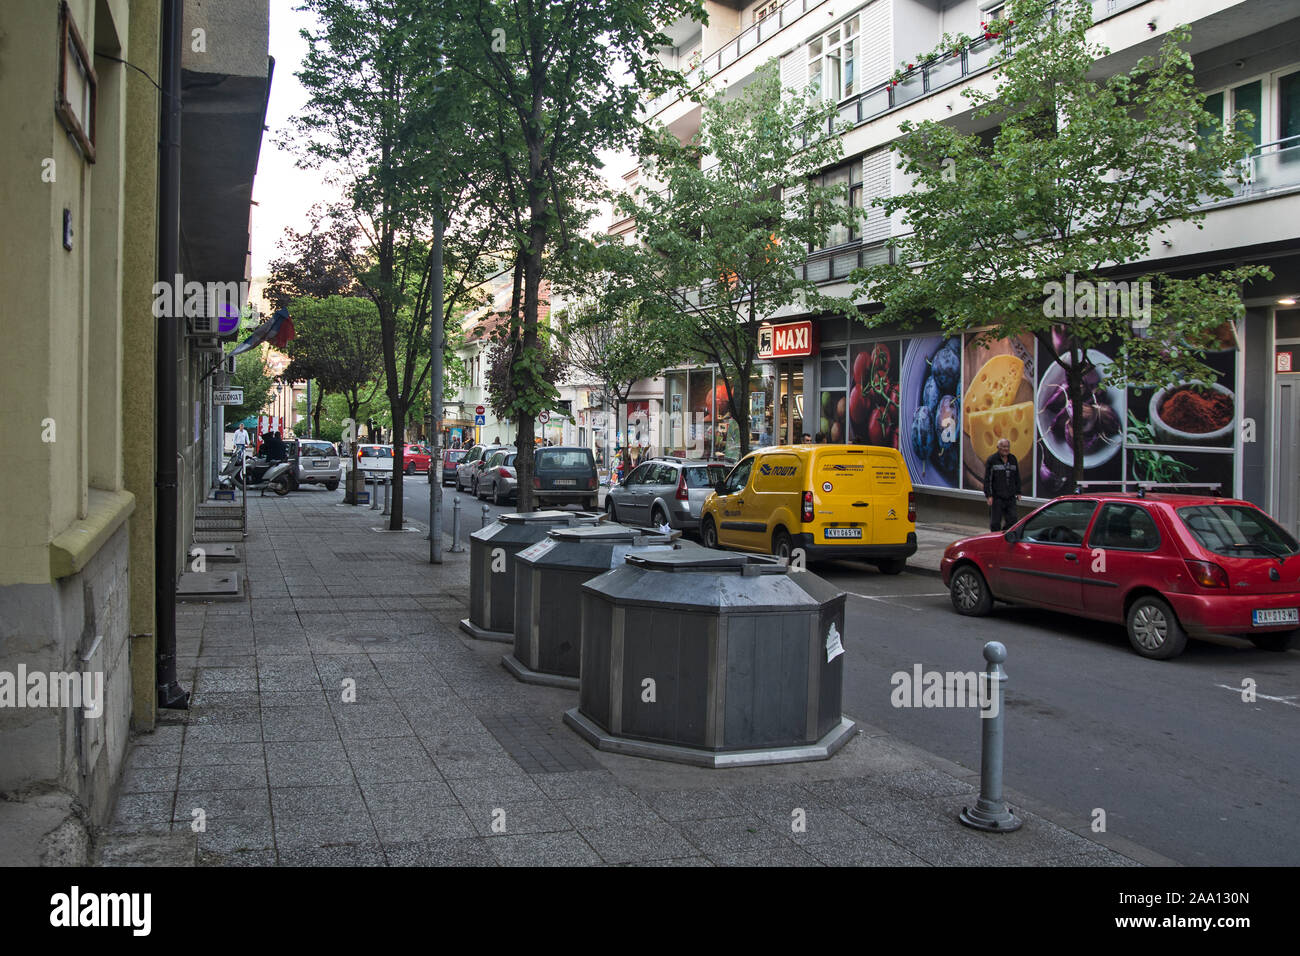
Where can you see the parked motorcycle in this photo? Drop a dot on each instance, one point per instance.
(258, 473)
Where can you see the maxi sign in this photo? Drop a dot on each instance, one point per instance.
(792, 340)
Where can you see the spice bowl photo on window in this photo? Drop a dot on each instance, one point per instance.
(1193, 413)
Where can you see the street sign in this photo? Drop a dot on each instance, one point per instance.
(543, 417)
(228, 396)
(480, 419)
(480, 411)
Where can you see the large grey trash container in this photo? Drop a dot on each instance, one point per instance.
(492, 553)
(548, 595)
(712, 659)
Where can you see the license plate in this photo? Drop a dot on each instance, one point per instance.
(319, 462)
(1276, 615)
(565, 482)
(843, 533)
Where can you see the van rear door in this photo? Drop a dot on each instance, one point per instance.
(890, 485)
(843, 500)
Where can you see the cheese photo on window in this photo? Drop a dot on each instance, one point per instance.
(998, 403)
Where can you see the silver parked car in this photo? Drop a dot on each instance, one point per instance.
(315, 463)
(471, 466)
(663, 491)
(498, 479)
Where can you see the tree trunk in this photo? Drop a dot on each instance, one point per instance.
(1074, 386)
(320, 399)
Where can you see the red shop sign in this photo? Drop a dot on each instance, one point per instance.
(793, 340)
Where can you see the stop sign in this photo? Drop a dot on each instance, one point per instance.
(480, 410)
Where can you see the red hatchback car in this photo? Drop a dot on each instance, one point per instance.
(416, 459)
(1165, 566)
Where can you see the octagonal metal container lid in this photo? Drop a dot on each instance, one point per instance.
(609, 533)
(550, 517)
(704, 559)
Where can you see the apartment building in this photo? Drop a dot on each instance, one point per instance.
(84, 596)
(1246, 56)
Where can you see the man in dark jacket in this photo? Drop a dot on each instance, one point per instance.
(1002, 486)
(273, 448)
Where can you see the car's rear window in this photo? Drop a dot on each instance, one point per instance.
(1237, 531)
(376, 453)
(553, 458)
(317, 448)
(455, 454)
(704, 476)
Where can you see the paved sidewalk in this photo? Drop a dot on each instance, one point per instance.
(444, 759)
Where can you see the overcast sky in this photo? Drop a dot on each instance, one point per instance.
(284, 193)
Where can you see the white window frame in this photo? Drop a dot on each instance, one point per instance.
(820, 49)
(1270, 101)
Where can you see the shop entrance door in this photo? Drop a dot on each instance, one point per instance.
(790, 429)
(1286, 464)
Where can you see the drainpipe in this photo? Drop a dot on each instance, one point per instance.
(170, 693)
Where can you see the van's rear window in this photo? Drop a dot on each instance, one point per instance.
(576, 458)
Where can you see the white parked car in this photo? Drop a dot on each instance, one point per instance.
(375, 459)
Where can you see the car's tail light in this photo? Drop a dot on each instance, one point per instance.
(682, 493)
(504, 472)
(591, 482)
(807, 506)
(911, 506)
(537, 482)
(1207, 574)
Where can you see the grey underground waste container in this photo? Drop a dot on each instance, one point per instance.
(492, 553)
(548, 595)
(744, 657)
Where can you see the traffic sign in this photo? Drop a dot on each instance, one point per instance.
(480, 419)
(480, 411)
(543, 417)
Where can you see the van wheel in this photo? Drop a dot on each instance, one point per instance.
(781, 544)
(892, 566)
(1153, 630)
(709, 533)
(969, 592)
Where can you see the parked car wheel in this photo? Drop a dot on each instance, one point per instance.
(970, 592)
(1273, 642)
(611, 511)
(496, 494)
(657, 517)
(332, 485)
(1153, 630)
(892, 565)
(593, 504)
(709, 533)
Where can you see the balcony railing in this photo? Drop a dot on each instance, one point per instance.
(1273, 166)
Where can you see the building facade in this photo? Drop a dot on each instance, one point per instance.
(816, 371)
(80, 172)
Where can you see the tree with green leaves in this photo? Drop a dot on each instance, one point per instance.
(337, 343)
(1082, 172)
(400, 134)
(252, 376)
(726, 221)
(563, 80)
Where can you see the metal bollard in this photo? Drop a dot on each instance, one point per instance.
(388, 484)
(373, 483)
(990, 811)
(487, 516)
(455, 527)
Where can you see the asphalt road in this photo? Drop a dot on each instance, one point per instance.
(1169, 750)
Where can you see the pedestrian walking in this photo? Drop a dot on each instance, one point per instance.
(1002, 486)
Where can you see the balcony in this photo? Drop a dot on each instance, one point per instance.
(1272, 168)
